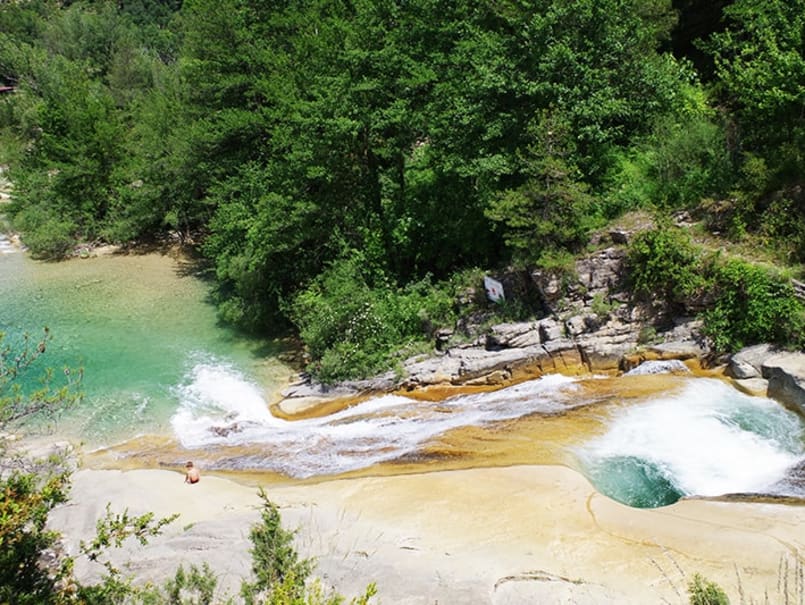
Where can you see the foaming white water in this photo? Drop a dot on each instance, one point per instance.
(6, 247)
(217, 395)
(659, 366)
(219, 406)
(708, 439)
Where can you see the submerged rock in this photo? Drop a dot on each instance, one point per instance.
(660, 366)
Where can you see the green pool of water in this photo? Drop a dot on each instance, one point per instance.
(137, 324)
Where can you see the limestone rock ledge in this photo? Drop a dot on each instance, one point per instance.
(592, 324)
(510, 353)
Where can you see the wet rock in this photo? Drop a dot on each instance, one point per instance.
(305, 389)
(756, 387)
(748, 362)
(686, 349)
(786, 375)
(496, 378)
(659, 366)
(225, 431)
(308, 390)
(561, 356)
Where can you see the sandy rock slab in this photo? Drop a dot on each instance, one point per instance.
(502, 536)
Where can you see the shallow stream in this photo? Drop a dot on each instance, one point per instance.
(165, 382)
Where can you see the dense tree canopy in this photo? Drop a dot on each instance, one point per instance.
(410, 140)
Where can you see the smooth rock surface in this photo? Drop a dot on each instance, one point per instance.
(529, 534)
(748, 362)
(786, 375)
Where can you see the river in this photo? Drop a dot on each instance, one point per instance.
(164, 382)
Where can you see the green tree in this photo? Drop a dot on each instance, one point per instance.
(82, 72)
(29, 489)
(550, 211)
(760, 70)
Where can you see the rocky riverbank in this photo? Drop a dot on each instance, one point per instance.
(513, 534)
(591, 324)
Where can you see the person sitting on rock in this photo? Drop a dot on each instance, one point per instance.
(191, 473)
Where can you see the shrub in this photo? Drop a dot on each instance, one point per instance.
(601, 307)
(704, 592)
(752, 305)
(26, 499)
(353, 330)
(663, 262)
(274, 559)
(45, 236)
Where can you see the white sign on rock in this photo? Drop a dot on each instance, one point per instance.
(494, 289)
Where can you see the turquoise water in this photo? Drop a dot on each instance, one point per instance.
(157, 363)
(137, 324)
(705, 439)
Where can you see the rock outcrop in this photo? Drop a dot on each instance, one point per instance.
(786, 375)
(591, 324)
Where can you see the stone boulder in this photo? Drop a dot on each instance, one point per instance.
(748, 362)
(659, 366)
(599, 274)
(756, 387)
(786, 375)
(602, 272)
(551, 329)
(513, 335)
(604, 348)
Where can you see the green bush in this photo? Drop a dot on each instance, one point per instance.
(274, 558)
(46, 235)
(748, 304)
(52, 239)
(353, 330)
(339, 307)
(704, 592)
(664, 263)
(683, 160)
(26, 499)
(752, 305)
